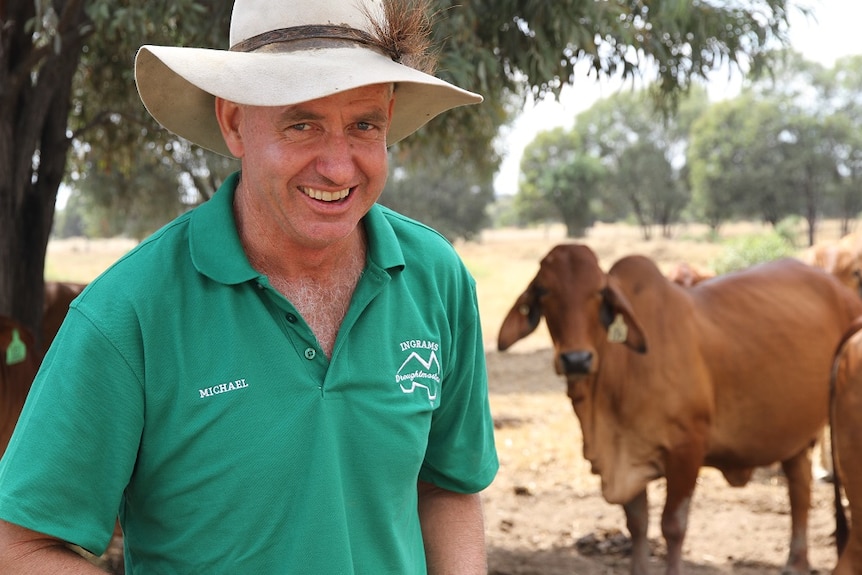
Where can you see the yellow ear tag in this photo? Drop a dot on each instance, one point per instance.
(618, 331)
(17, 350)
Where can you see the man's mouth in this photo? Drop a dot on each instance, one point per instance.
(326, 196)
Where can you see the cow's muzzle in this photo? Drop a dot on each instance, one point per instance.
(576, 362)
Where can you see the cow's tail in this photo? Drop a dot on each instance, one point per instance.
(841, 524)
(842, 532)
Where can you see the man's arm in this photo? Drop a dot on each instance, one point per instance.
(27, 552)
(453, 528)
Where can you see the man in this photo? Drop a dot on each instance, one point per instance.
(289, 378)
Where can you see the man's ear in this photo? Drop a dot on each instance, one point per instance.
(229, 115)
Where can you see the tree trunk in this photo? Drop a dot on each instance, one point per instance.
(35, 90)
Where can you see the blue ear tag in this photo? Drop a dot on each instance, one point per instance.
(17, 350)
(618, 331)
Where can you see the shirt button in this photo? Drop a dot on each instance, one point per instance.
(291, 318)
(310, 353)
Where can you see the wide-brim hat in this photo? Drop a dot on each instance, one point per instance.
(284, 53)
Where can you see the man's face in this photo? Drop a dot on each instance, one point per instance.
(312, 170)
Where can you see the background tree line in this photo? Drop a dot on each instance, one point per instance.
(789, 145)
(69, 111)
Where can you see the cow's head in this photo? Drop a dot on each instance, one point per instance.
(583, 308)
(841, 261)
(597, 339)
(844, 265)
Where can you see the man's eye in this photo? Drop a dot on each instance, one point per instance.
(299, 127)
(365, 126)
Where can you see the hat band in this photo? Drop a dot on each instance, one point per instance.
(303, 37)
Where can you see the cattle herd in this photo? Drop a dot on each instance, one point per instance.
(666, 373)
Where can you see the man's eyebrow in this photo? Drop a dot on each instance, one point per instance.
(375, 117)
(299, 114)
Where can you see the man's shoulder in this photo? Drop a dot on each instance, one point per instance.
(160, 260)
(410, 231)
(427, 255)
(161, 250)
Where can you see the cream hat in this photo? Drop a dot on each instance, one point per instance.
(284, 53)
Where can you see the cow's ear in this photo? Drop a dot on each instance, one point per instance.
(521, 320)
(619, 318)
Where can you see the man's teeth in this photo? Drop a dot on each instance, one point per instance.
(326, 196)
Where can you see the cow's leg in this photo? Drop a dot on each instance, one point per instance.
(637, 520)
(798, 472)
(673, 526)
(844, 566)
(681, 476)
(822, 466)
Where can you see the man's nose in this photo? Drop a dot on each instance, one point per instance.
(336, 161)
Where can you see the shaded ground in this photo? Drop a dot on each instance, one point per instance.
(545, 514)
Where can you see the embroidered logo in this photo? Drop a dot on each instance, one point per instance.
(222, 388)
(421, 369)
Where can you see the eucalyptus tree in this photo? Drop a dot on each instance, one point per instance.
(808, 166)
(560, 181)
(644, 151)
(646, 178)
(735, 162)
(112, 203)
(66, 85)
(817, 118)
(843, 95)
(443, 192)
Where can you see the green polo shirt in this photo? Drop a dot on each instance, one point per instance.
(188, 394)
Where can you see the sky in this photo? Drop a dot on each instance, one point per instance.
(831, 32)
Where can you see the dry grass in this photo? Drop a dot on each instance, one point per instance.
(81, 259)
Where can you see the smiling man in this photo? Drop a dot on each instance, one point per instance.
(245, 388)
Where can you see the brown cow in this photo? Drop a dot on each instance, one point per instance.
(841, 260)
(846, 425)
(19, 362)
(732, 373)
(688, 275)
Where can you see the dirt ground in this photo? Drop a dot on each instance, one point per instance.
(544, 512)
(545, 515)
